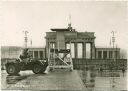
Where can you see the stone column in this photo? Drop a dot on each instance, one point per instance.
(84, 49)
(75, 45)
(47, 48)
(33, 54)
(118, 55)
(92, 50)
(96, 54)
(44, 55)
(113, 56)
(101, 54)
(38, 54)
(107, 54)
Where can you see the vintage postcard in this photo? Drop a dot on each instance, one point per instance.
(63, 45)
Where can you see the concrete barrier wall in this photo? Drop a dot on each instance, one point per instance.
(106, 64)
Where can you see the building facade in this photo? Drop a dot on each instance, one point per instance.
(9, 53)
(107, 53)
(38, 53)
(12, 52)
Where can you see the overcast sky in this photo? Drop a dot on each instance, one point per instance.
(39, 17)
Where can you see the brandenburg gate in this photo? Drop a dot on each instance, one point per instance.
(82, 43)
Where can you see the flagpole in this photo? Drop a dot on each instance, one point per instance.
(110, 42)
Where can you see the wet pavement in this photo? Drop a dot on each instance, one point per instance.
(66, 80)
(108, 84)
(8, 81)
(103, 81)
(56, 80)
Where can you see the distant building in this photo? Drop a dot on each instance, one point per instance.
(13, 52)
(37, 52)
(10, 52)
(107, 53)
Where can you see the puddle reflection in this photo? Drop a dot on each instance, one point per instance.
(109, 80)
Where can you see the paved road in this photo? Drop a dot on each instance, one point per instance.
(57, 80)
(63, 80)
(4, 75)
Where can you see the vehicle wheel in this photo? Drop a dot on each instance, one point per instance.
(12, 69)
(36, 69)
(43, 70)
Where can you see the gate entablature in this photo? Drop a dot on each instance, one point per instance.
(77, 36)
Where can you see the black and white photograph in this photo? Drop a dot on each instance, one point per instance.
(63, 45)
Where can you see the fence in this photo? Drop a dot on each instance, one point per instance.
(106, 64)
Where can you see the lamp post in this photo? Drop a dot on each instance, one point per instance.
(25, 38)
(114, 57)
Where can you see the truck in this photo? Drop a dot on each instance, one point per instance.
(25, 62)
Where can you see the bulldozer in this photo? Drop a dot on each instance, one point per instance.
(26, 62)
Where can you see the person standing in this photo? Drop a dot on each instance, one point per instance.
(123, 71)
(101, 70)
